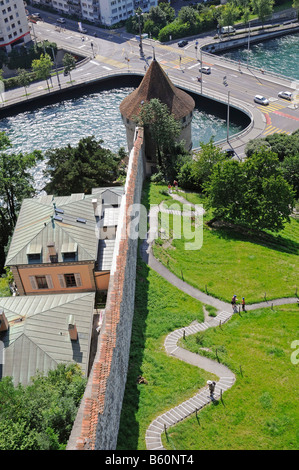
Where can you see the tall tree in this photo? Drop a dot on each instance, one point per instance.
(81, 168)
(262, 8)
(23, 79)
(42, 67)
(16, 183)
(69, 63)
(253, 193)
(164, 130)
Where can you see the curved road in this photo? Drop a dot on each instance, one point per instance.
(113, 52)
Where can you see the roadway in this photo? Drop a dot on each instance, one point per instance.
(113, 51)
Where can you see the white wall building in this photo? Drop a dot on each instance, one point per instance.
(107, 12)
(14, 28)
(113, 11)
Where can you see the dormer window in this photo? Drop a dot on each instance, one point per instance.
(34, 253)
(69, 252)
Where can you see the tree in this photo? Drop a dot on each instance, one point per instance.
(69, 63)
(164, 131)
(262, 8)
(42, 67)
(16, 183)
(40, 416)
(229, 14)
(205, 160)
(252, 193)
(290, 171)
(23, 79)
(188, 15)
(81, 168)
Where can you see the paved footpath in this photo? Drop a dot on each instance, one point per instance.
(226, 376)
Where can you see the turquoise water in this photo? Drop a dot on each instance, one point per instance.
(280, 55)
(97, 114)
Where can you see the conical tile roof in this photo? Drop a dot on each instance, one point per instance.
(156, 84)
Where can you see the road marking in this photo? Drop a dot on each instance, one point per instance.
(94, 62)
(192, 66)
(286, 115)
(274, 130)
(107, 68)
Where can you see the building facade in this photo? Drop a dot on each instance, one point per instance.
(14, 28)
(106, 12)
(65, 244)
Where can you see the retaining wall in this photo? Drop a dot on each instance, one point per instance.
(97, 423)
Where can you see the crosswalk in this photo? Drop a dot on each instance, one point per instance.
(273, 106)
(274, 130)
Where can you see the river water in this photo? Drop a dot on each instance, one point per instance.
(97, 114)
(279, 55)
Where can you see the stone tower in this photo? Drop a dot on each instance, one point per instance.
(156, 84)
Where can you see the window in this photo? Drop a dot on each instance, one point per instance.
(70, 280)
(34, 258)
(41, 282)
(69, 256)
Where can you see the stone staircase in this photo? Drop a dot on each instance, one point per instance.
(202, 398)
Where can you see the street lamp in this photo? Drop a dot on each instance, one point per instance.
(227, 119)
(54, 59)
(138, 14)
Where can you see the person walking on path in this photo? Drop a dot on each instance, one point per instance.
(243, 304)
(234, 302)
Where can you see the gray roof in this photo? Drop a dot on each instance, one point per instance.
(105, 255)
(38, 339)
(67, 221)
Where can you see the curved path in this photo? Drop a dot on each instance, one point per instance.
(226, 376)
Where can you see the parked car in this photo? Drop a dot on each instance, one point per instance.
(261, 100)
(38, 15)
(287, 95)
(182, 43)
(206, 70)
(61, 20)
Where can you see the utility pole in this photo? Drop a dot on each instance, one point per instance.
(227, 119)
(139, 13)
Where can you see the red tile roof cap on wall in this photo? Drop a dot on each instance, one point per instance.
(156, 84)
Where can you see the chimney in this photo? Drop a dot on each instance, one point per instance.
(4, 325)
(52, 252)
(72, 328)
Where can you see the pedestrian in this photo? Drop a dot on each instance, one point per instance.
(243, 304)
(169, 188)
(233, 302)
(211, 386)
(175, 184)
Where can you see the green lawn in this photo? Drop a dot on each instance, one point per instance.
(159, 309)
(260, 411)
(230, 262)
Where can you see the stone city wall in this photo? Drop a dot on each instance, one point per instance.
(97, 423)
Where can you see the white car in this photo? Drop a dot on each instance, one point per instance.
(61, 20)
(82, 30)
(287, 95)
(206, 70)
(261, 100)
